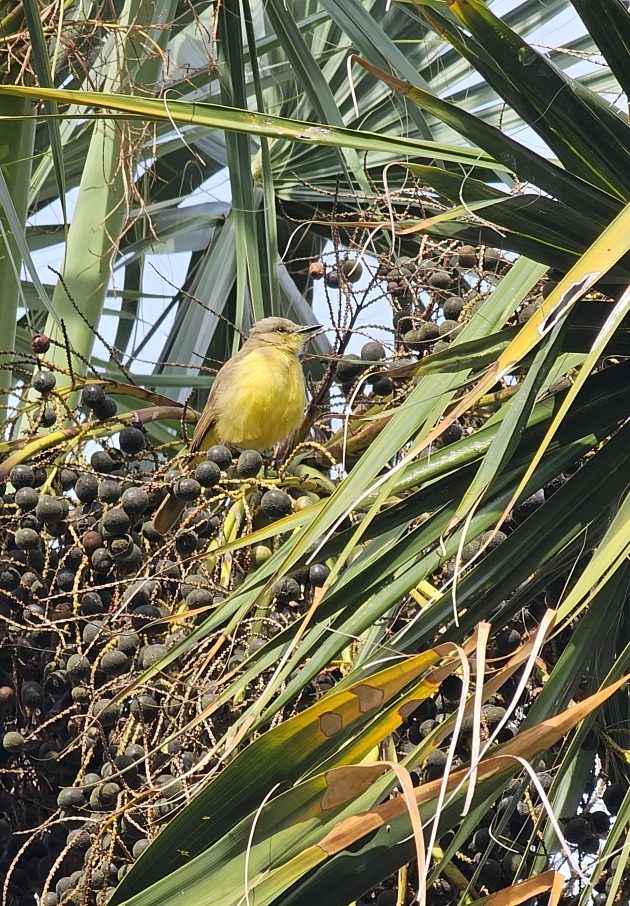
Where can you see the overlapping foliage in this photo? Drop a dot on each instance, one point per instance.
(459, 504)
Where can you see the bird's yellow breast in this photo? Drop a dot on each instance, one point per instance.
(266, 400)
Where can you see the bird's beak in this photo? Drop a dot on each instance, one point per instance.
(310, 328)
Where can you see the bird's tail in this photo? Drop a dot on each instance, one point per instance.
(167, 514)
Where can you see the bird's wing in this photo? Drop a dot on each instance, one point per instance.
(208, 417)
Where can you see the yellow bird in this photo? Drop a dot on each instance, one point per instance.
(257, 398)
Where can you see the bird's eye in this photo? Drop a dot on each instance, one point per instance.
(282, 329)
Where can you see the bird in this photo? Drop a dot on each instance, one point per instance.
(257, 399)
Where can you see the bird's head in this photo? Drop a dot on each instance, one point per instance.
(281, 333)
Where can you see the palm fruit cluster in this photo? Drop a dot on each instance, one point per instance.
(91, 597)
(105, 733)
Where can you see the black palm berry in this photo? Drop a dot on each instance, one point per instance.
(93, 395)
(48, 417)
(286, 589)
(107, 409)
(44, 382)
(249, 464)
(26, 499)
(86, 488)
(317, 574)
(22, 476)
(187, 489)
(372, 351)
(208, 474)
(134, 501)
(220, 455)
(109, 490)
(27, 539)
(50, 509)
(116, 523)
(132, 440)
(276, 503)
(101, 461)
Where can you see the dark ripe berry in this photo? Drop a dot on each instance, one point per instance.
(199, 597)
(491, 258)
(132, 440)
(101, 560)
(466, 256)
(382, 386)
(186, 543)
(135, 501)
(490, 874)
(220, 455)
(352, 270)
(452, 307)
(91, 603)
(149, 532)
(614, 796)
(452, 434)
(448, 329)
(316, 270)
(86, 488)
(71, 798)
(600, 821)
(44, 382)
(106, 711)
(387, 898)
(40, 343)
(121, 548)
(372, 351)
(507, 640)
(65, 580)
(48, 417)
(404, 318)
(525, 509)
(91, 540)
(27, 539)
(577, 830)
(208, 474)
(499, 538)
(116, 523)
(348, 369)
(50, 509)
(26, 499)
(22, 476)
(144, 708)
(317, 574)
(332, 279)
(32, 694)
(78, 667)
(102, 462)
(141, 592)
(93, 395)
(187, 489)
(109, 490)
(434, 765)
(276, 503)
(481, 840)
(13, 742)
(132, 561)
(149, 655)
(107, 409)
(9, 578)
(114, 662)
(439, 279)
(128, 642)
(68, 478)
(249, 464)
(139, 847)
(286, 589)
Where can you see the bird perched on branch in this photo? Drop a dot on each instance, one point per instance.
(257, 399)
